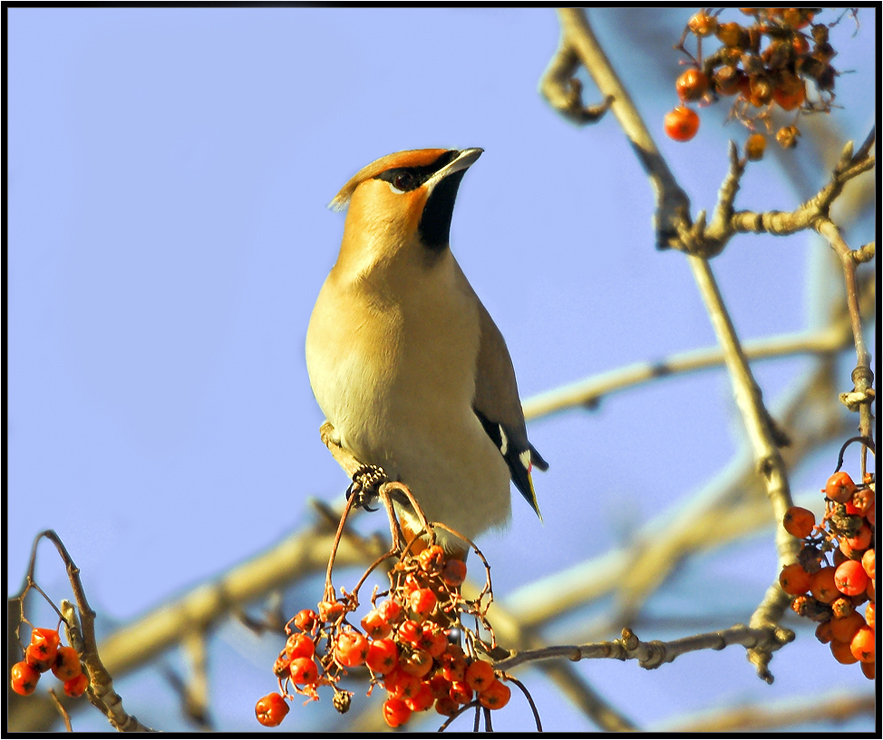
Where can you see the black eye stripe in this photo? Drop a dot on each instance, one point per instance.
(411, 178)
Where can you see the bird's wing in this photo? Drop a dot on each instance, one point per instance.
(498, 407)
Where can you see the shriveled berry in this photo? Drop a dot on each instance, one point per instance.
(692, 85)
(702, 24)
(754, 148)
(376, 625)
(787, 136)
(416, 662)
(306, 620)
(331, 611)
(432, 559)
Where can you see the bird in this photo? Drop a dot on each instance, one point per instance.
(405, 361)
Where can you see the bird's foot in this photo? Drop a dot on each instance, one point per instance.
(365, 486)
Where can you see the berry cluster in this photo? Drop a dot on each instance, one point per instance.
(760, 65)
(835, 572)
(409, 643)
(46, 653)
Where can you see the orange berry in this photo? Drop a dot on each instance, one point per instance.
(440, 685)
(479, 675)
(351, 649)
(869, 669)
(383, 656)
(794, 580)
(872, 589)
(871, 615)
(282, 665)
(869, 563)
(304, 671)
(822, 585)
(271, 710)
(754, 148)
(396, 712)
(35, 659)
(681, 124)
(824, 632)
(844, 629)
(790, 92)
(850, 578)
(864, 645)
(495, 696)
(446, 706)
(731, 34)
(871, 514)
(433, 641)
(453, 666)
(401, 685)
(691, 85)
(460, 692)
(787, 136)
(862, 500)
(305, 620)
(432, 559)
(410, 631)
(299, 645)
(800, 44)
(853, 547)
(376, 625)
(67, 664)
(799, 522)
(840, 487)
(44, 644)
(422, 700)
(24, 678)
(421, 603)
(702, 24)
(728, 80)
(76, 686)
(390, 610)
(454, 572)
(842, 653)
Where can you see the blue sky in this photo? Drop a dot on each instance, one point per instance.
(168, 173)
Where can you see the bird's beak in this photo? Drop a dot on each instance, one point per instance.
(464, 159)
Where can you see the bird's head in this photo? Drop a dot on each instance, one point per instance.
(406, 194)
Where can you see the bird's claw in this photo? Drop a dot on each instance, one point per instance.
(365, 485)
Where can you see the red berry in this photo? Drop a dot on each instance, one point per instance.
(854, 546)
(454, 572)
(76, 686)
(864, 645)
(401, 685)
(850, 578)
(495, 696)
(351, 649)
(422, 700)
(67, 664)
(410, 631)
(844, 629)
(304, 671)
(299, 645)
(383, 656)
(840, 487)
(271, 710)
(842, 653)
(479, 675)
(871, 615)
(799, 522)
(396, 712)
(35, 659)
(24, 678)
(433, 640)
(681, 124)
(460, 692)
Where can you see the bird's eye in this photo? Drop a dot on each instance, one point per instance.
(403, 182)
